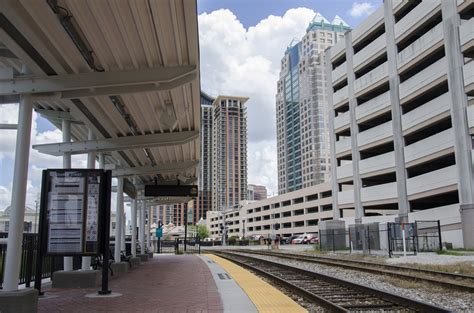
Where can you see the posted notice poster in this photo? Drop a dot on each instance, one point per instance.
(92, 216)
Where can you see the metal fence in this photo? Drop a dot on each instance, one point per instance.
(179, 245)
(28, 260)
(428, 236)
(188, 245)
(166, 246)
(383, 238)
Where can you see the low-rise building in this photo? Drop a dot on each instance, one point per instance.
(292, 213)
(256, 192)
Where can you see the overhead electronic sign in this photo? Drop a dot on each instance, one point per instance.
(171, 191)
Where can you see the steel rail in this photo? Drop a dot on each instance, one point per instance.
(457, 281)
(389, 300)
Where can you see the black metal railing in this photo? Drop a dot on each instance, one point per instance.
(28, 260)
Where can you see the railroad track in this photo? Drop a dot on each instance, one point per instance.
(334, 294)
(443, 279)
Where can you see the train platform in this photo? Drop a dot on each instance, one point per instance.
(176, 283)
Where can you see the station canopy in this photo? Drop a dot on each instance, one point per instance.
(128, 70)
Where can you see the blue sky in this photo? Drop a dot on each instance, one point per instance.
(250, 12)
(241, 49)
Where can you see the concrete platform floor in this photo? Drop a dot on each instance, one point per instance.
(166, 283)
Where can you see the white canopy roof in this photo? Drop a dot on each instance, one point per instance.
(124, 68)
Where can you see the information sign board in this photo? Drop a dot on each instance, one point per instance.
(73, 211)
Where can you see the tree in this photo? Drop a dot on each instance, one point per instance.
(202, 231)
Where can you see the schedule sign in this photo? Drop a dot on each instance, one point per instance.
(73, 211)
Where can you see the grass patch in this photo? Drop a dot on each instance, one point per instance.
(449, 252)
(466, 268)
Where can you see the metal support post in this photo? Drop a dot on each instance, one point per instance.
(118, 222)
(148, 230)
(142, 227)
(440, 242)
(224, 229)
(124, 232)
(20, 177)
(404, 240)
(66, 129)
(134, 223)
(185, 226)
(86, 260)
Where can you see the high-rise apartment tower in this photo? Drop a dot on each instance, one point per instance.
(229, 152)
(204, 200)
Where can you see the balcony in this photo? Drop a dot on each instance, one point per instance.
(342, 120)
(377, 163)
(339, 73)
(416, 84)
(340, 96)
(432, 181)
(422, 46)
(427, 111)
(344, 171)
(377, 133)
(371, 79)
(345, 197)
(343, 145)
(429, 146)
(380, 193)
(466, 31)
(373, 106)
(416, 16)
(468, 72)
(371, 51)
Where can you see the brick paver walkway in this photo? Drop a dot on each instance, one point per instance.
(167, 283)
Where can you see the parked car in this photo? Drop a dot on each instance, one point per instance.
(314, 240)
(308, 238)
(298, 240)
(290, 239)
(303, 239)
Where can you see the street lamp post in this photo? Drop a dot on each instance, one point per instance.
(36, 216)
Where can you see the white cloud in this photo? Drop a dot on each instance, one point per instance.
(262, 165)
(246, 62)
(360, 9)
(37, 161)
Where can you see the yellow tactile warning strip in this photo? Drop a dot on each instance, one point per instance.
(265, 297)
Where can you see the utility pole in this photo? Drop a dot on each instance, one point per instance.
(224, 229)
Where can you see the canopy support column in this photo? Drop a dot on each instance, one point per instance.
(148, 230)
(124, 231)
(66, 128)
(86, 260)
(142, 227)
(134, 223)
(17, 213)
(118, 222)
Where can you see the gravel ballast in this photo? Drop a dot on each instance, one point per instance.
(453, 300)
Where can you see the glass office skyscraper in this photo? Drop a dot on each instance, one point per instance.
(302, 119)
